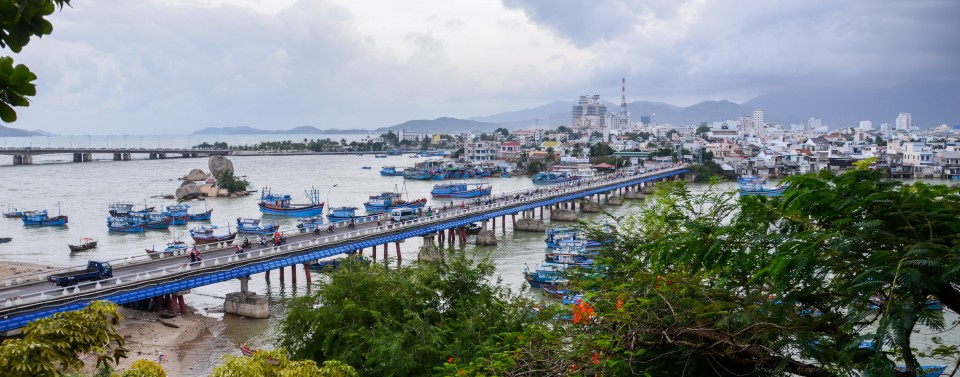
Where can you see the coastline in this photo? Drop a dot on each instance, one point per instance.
(147, 335)
(9, 269)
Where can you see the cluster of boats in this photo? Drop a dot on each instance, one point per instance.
(751, 185)
(550, 178)
(439, 171)
(567, 249)
(36, 217)
(124, 217)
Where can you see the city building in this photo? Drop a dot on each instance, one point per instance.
(904, 121)
(589, 113)
(475, 151)
(866, 125)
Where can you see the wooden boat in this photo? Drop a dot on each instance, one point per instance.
(365, 167)
(247, 351)
(279, 204)
(390, 171)
(388, 201)
(461, 190)
(206, 234)
(202, 216)
(251, 225)
(12, 213)
(753, 186)
(925, 371)
(5, 239)
(177, 213)
(342, 214)
(85, 244)
(173, 248)
(125, 224)
(40, 218)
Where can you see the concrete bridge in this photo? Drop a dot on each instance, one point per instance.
(24, 155)
(24, 298)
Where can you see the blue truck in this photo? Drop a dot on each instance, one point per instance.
(95, 271)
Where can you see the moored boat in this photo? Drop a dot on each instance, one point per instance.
(85, 244)
(151, 219)
(125, 224)
(173, 248)
(309, 224)
(544, 274)
(203, 216)
(251, 225)
(41, 218)
(550, 178)
(279, 204)
(461, 190)
(753, 186)
(342, 214)
(207, 234)
(5, 239)
(390, 171)
(387, 201)
(12, 213)
(380, 156)
(177, 213)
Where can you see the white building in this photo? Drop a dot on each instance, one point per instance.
(904, 121)
(475, 151)
(757, 121)
(866, 125)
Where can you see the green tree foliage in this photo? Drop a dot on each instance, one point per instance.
(227, 180)
(143, 368)
(404, 321)
(702, 130)
(276, 363)
(600, 150)
(54, 345)
(879, 141)
(502, 131)
(215, 145)
(534, 167)
(21, 20)
(564, 130)
(391, 138)
(551, 155)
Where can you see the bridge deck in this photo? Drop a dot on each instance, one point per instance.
(30, 297)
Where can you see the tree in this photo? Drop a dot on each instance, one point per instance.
(702, 130)
(227, 180)
(425, 143)
(270, 363)
(390, 138)
(21, 20)
(669, 135)
(405, 320)
(502, 131)
(600, 150)
(550, 155)
(54, 345)
(879, 141)
(143, 368)
(564, 130)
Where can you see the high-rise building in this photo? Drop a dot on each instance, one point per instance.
(589, 112)
(645, 120)
(904, 121)
(757, 121)
(814, 123)
(866, 125)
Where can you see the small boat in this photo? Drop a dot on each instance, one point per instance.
(5, 239)
(564, 236)
(279, 204)
(925, 371)
(254, 226)
(390, 171)
(548, 178)
(202, 216)
(247, 351)
(40, 218)
(417, 175)
(473, 229)
(125, 224)
(545, 274)
(12, 213)
(333, 263)
(151, 219)
(753, 186)
(461, 190)
(394, 152)
(122, 209)
(415, 156)
(343, 214)
(206, 234)
(365, 167)
(177, 213)
(85, 244)
(173, 248)
(380, 156)
(309, 224)
(388, 201)
(554, 291)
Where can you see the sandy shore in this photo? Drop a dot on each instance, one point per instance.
(147, 335)
(9, 269)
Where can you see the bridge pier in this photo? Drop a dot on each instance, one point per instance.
(125, 156)
(429, 251)
(293, 274)
(486, 237)
(22, 160)
(118, 156)
(245, 303)
(306, 272)
(281, 275)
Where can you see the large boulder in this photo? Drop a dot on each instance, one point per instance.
(188, 191)
(195, 175)
(527, 224)
(219, 164)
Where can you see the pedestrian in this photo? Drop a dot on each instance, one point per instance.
(161, 357)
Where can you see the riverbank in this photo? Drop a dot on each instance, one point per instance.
(9, 269)
(147, 336)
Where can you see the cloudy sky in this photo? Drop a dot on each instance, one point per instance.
(174, 66)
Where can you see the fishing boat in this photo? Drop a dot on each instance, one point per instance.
(417, 175)
(330, 264)
(247, 351)
(251, 225)
(342, 214)
(559, 236)
(125, 224)
(925, 371)
(544, 274)
(365, 167)
(279, 204)
(202, 216)
(380, 156)
(753, 186)
(151, 219)
(473, 229)
(394, 152)
(85, 244)
(40, 218)
(5, 239)
(309, 224)
(554, 291)
(570, 259)
(550, 178)
(391, 171)
(12, 213)
(461, 190)
(122, 209)
(387, 201)
(177, 213)
(207, 234)
(173, 248)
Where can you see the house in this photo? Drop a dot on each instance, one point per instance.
(509, 151)
(476, 151)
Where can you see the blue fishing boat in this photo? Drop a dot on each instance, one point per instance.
(387, 201)
(125, 224)
(548, 178)
(41, 218)
(173, 248)
(177, 213)
(380, 156)
(251, 225)
(461, 190)
(750, 186)
(342, 214)
(571, 258)
(12, 213)
(151, 219)
(391, 171)
(123, 209)
(925, 371)
(279, 204)
(394, 152)
(203, 216)
(417, 175)
(545, 274)
(210, 234)
(560, 236)
(309, 224)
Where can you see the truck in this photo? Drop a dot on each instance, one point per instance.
(96, 270)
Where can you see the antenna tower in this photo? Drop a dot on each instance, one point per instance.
(623, 96)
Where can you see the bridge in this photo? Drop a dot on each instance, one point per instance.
(27, 297)
(24, 155)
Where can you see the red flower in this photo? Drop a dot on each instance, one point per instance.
(596, 358)
(450, 360)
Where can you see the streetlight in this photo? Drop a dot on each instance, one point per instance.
(328, 193)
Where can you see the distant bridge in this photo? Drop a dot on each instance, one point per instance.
(24, 155)
(28, 297)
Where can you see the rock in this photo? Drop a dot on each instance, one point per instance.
(486, 237)
(530, 225)
(190, 191)
(563, 215)
(168, 197)
(429, 251)
(219, 164)
(184, 183)
(195, 175)
(614, 200)
(633, 194)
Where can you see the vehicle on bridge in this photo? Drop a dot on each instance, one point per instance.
(96, 270)
(403, 214)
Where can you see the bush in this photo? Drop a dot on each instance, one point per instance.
(232, 184)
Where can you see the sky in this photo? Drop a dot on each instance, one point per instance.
(175, 66)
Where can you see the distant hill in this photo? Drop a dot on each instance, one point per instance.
(16, 132)
(302, 130)
(449, 125)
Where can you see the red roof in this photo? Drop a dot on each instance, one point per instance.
(510, 144)
(603, 166)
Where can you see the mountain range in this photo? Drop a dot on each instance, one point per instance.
(16, 132)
